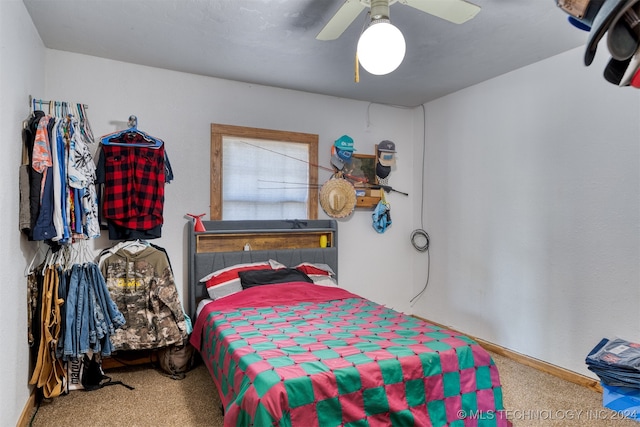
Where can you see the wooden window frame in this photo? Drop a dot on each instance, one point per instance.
(219, 131)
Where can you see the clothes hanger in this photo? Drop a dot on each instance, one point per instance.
(118, 137)
(135, 246)
(115, 138)
(29, 268)
(54, 258)
(86, 256)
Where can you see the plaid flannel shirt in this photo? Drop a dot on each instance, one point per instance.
(134, 185)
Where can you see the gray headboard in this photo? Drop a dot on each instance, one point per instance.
(289, 242)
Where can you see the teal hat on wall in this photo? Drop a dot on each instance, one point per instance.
(345, 142)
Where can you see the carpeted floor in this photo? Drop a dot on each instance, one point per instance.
(156, 401)
(532, 398)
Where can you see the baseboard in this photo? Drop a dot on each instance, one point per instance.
(27, 411)
(532, 362)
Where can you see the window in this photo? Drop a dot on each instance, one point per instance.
(263, 174)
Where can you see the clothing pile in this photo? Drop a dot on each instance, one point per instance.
(616, 362)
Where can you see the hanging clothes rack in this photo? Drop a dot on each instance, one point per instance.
(38, 104)
(56, 148)
(63, 109)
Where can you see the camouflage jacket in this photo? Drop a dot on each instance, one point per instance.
(143, 287)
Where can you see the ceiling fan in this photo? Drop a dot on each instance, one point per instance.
(456, 11)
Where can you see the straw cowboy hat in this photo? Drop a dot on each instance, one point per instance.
(338, 198)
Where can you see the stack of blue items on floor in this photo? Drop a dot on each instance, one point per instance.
(617, 364)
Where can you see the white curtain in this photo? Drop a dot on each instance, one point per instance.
(264, 179)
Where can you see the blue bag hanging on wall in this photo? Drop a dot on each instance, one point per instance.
(381, 216)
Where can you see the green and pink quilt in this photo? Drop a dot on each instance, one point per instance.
(298, 354)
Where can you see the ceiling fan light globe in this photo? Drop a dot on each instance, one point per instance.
(381, 48)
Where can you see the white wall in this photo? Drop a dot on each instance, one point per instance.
(179, 108)
(533, 207)
(21, 74)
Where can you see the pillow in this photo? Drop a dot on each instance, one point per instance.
(318, 269)
(323, 280)
(224, 289)
(251, 278)
(224, 282)
(276, 265)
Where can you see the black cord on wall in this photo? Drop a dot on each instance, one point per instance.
(419, 237)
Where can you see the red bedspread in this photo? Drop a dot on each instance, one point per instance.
(306, 355)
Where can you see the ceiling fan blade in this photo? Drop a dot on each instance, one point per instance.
(456, 11)
(347, 13)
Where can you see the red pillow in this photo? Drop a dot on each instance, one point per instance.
(226, 281)
(315, 269)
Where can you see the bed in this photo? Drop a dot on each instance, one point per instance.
(302, 351)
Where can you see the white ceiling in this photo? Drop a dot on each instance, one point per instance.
(272, 42)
